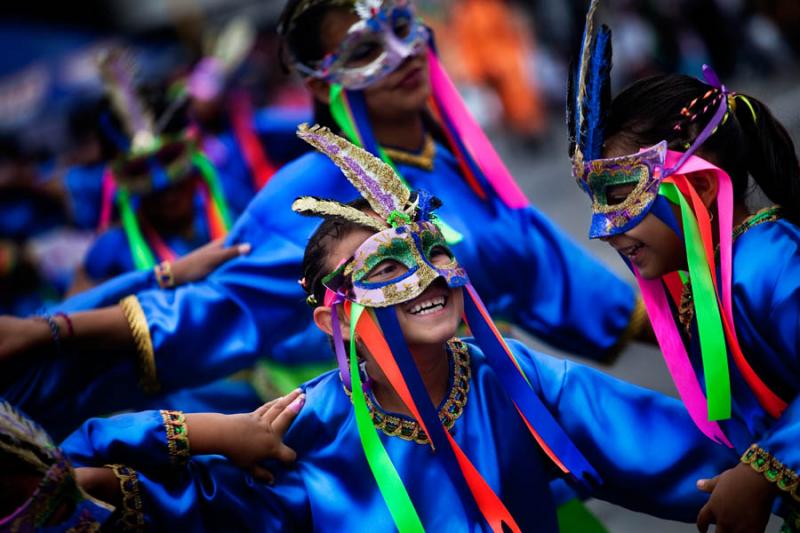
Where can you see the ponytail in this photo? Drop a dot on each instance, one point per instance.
(770, 157)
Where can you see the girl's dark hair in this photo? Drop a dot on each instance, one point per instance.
(315, 259)
(649, 111)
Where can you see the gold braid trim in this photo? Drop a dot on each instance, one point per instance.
(423, 160)
(637, 324)
(177, 436)
(776, 472)
(130, 515)
(451, 410)
(137, 322)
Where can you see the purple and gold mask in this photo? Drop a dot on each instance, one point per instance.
(643, 170)
(397, 265)
(387, 34)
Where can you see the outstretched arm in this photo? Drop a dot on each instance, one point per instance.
(644, 445)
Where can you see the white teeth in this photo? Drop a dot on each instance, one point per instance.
(428, 306)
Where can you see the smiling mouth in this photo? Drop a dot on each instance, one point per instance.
(431, 305)
(631, 251)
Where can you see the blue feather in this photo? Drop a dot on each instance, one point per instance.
(596, 104)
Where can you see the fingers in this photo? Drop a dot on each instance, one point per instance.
(285, 454)
(262, 474)
(279, 405)
(285, 418)
(261, 411)
(705, 518)
(707, 485)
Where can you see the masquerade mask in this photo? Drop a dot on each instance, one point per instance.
(397, 265)
(387, 34)
(643, 173)
(170, 163)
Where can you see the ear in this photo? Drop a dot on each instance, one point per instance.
(706, 185)
(320, 89)
(322, 318)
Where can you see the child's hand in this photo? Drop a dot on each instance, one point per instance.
(253, 437)
(741, 501)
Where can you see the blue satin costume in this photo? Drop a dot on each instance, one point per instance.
(642, 443)
(527, 271)
(766, 298)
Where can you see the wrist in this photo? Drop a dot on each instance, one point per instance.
(211, 433)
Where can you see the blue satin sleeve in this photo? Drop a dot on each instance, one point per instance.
(767, 304)
(138, 440)
(211, 494)
(634, 437)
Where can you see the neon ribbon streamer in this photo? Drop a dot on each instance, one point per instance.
(466, 128)
(260, 166)
(222, 216)
(108, 191)
(389, 483)
(712, 338)
(555, 443)
(462, 473)
(142, 256)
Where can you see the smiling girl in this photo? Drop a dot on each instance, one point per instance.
(668, 164)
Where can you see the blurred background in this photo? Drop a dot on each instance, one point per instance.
(509, 59)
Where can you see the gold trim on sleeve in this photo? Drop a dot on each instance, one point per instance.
(131, 515)
(137, 322)
(177, 436)
(776, 472)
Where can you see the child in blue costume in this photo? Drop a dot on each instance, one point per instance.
(667, 165)
(253, 306)
(169, 196)
(382, 278)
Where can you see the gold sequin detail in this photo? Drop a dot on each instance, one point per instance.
(330, 208)
(177, 436)
(451, 410)
(382, 178)
(131, 516)
(774, 471)
(137, 322)
(423, 160)
(686, 308)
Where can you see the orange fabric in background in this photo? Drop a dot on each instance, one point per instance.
(494, 47)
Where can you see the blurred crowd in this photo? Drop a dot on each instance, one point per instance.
(214, 80)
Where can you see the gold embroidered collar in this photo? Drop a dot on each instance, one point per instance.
(450, 410)
(423, 159)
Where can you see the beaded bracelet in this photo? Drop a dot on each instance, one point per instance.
(55, 330)
(68, 320)
(164, 276)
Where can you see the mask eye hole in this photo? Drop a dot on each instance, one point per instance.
(440, 256)
(364, 53)
(401, 25)
(386, 270)
(616, 194)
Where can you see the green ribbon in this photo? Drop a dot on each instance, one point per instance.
(142, 256)
(343, 117)
(713, 348)
(391, 486)
(214, 186)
